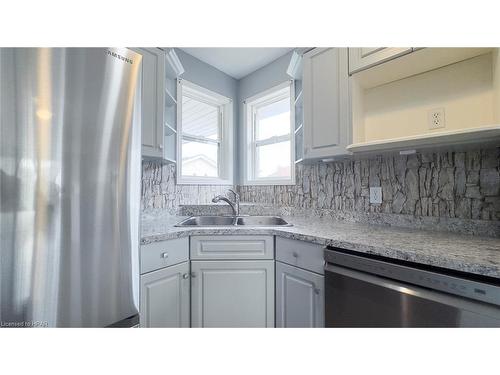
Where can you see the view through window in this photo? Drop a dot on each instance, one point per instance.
(201, 123)
(270, 140)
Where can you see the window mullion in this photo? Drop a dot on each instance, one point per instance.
(221, 136)
(254, 143)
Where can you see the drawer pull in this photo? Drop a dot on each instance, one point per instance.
(164, 255)
(295, 254)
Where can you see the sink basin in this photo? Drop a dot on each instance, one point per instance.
(267, 221)
(213, 221)
(207, 221)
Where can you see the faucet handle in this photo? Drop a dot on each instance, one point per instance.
(236, 195)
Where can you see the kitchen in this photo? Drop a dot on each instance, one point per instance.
(254, 187)
(283, 195)
(422, 200)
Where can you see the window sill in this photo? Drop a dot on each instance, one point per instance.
(203, 181)
(269, 182)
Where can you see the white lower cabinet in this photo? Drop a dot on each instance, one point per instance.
(165, 297)
(220, 288)
(232, 293)
(300, 297)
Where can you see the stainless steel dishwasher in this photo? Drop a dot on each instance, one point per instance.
(374, 291)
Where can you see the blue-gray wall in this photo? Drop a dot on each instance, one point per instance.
(266, 77)
(207, 76)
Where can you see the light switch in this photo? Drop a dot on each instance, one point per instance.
(376, 195)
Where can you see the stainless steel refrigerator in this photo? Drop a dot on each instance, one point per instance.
(70, 165)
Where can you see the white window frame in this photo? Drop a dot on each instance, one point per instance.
(225, 162)
(250, 105)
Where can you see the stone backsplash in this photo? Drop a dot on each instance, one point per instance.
(450, 191)
(463, 185)
(159, 190)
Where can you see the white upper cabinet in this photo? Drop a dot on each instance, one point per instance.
(327, 124)
(460, 83)
(153, 99)
(160, 69)
(366, 57)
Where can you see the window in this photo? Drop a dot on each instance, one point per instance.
(269, 137)
(205, 136)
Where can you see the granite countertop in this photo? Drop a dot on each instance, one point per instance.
(473, 254)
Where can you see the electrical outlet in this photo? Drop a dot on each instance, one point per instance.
(436, 118)
(376, 195)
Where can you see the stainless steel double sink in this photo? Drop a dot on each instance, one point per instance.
(215, 221)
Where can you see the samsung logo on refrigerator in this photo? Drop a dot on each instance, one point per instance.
(120, 57)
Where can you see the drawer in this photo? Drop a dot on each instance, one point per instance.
(161, 254)
(232, 247)
(301, 254)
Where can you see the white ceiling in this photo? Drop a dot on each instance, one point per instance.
(237, 62)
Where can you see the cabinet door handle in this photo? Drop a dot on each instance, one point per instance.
(185, 276)
(193, 274)
(317, 290)
(164, 255)
(295, 254)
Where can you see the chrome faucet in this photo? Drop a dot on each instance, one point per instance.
(236, 200)
(235, 206)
